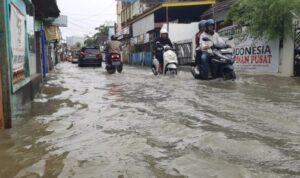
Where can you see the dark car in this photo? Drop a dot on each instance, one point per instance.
(90, 57)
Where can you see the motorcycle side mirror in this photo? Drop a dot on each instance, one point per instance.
(205, 39)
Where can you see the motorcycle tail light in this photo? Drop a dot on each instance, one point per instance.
(115, 56)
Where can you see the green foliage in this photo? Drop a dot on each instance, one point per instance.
(269, 18)
(99, 37)
(78, 45)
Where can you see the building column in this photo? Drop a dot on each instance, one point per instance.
(5, 89)
(287, 57)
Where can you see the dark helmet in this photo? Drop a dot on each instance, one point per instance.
(113, 37)
(210, 22)
(202, 24)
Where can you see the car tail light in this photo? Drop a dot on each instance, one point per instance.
(115, 56)
(98, 55)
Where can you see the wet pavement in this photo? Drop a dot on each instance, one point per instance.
(88, 124)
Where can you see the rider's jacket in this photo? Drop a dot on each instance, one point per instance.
(160, 42)
(214, 39)
(114, 47)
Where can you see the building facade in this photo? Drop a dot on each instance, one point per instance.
(20, 56)
(142, 21)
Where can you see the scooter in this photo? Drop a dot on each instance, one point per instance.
(170, 61)
(222, 62)
(114, 63)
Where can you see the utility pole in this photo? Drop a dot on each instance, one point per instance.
(167, 18)
(5, 89)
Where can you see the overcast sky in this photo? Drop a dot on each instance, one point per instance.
(85, 15)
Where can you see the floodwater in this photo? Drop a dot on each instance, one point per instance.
(88, 124)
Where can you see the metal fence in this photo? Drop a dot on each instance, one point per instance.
(184, 52)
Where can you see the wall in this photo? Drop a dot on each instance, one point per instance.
(25, 90)
(22, 7)
(286, 67)
(143, 26)
(186, 31)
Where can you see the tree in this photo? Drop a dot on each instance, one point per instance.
(265, 18)
(78, 45)
(89, 41)
(99, 37)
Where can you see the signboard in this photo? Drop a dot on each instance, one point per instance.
(52, 32)
(257, 55)
(253, 55)
(17, 27)
(61, 21)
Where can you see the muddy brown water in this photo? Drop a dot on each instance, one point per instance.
(88, 124)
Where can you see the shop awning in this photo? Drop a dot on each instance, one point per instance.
(45, 9)
(181, 11)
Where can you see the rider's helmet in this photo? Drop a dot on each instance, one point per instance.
(113, 37)
(210, 22)
(164, 31)
(202, 24)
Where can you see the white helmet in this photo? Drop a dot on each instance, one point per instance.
(164, 31)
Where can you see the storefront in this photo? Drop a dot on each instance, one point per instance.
(19, 85)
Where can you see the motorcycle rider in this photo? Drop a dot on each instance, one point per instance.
(201, 27)
(205, 47)
(158, 46)
(113, 47)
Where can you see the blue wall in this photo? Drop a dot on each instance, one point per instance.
(142, 58)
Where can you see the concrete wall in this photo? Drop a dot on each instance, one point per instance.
(286, 66)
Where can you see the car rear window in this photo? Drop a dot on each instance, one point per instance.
(91, 51)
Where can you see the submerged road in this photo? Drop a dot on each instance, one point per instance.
(88, 124)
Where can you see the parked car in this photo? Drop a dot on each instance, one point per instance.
(90, 56)
(75, 57)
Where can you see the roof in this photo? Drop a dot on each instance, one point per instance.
(174, 5)
(219, 6)
(45, 9)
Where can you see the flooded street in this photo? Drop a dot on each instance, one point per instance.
(88, 124)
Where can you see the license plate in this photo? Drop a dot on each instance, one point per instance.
(116, 63)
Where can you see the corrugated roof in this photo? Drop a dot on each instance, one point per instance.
(172, 5)
(219, 6)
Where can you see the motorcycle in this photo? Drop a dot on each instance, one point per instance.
(170, 61)
(222, 61)
(114, 63)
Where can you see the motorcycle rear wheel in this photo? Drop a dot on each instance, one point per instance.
(111, 70)
(120, 68)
